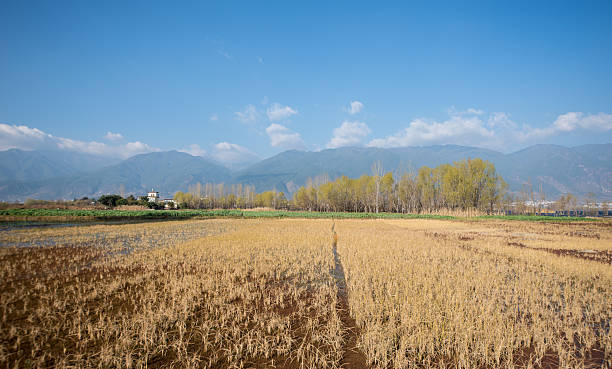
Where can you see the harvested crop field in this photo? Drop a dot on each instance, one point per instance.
(308, 293)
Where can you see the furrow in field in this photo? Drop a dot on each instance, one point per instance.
(352, 356)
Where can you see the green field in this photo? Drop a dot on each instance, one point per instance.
(186, 214)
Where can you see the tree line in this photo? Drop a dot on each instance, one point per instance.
(221, 196)
(466, 184)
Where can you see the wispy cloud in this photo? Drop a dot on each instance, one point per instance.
(452, 111)
(232, 154)
(281, 136)
(225, 54)
(113, 136)
(195, 150)
(349, 134)
(214, 118)
(354, 107)
(26, 138)
(248, 115)
(229, 154)
(276, 112)
(220, 47)
(500, 120)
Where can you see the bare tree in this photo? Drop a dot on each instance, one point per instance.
(532, 196)
(377, 172)
(604, 207)
(590, 202)
(542, 198)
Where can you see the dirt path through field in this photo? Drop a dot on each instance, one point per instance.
(352, 358)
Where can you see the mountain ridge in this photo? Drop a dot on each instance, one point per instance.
(559, 169)
(164, 171)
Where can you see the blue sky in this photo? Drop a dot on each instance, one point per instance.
(240, 80)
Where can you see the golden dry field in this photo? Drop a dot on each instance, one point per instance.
(297, 293)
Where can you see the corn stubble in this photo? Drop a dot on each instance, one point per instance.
(230, 293)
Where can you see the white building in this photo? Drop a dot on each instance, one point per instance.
(153, 196)
(169, 203)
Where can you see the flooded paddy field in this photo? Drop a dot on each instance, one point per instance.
(24, 224)
(306, 293)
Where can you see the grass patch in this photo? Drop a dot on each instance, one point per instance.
(186, 214)
(236, 213)
(540, 218)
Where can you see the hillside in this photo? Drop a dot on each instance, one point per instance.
(558, 169)
(167, 172)
(36, 165)
(288, 169)
(578, 170)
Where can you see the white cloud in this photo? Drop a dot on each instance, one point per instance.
(457, 129)
(501, 120)
(349, 134)
(277, 112)
(474, 111)
(592, 122)
(249, 115)
(232, 154)
(452, 111)
(113, 136)
(566, 122)
(569, 122)
(26, 138)
(226, 153)
(355, 107)
(134, 148)
(497, 130)
(214, 118)
(23, 137)
(195, 150)
(281, 136)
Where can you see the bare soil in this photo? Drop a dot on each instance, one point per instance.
(352, 357)
(604, 256)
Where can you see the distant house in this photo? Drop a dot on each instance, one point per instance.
(169, 203)
(153, 196)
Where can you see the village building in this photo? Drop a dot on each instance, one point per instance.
(169, 203)
(153, 196)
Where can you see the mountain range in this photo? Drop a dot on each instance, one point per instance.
(63, 175)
